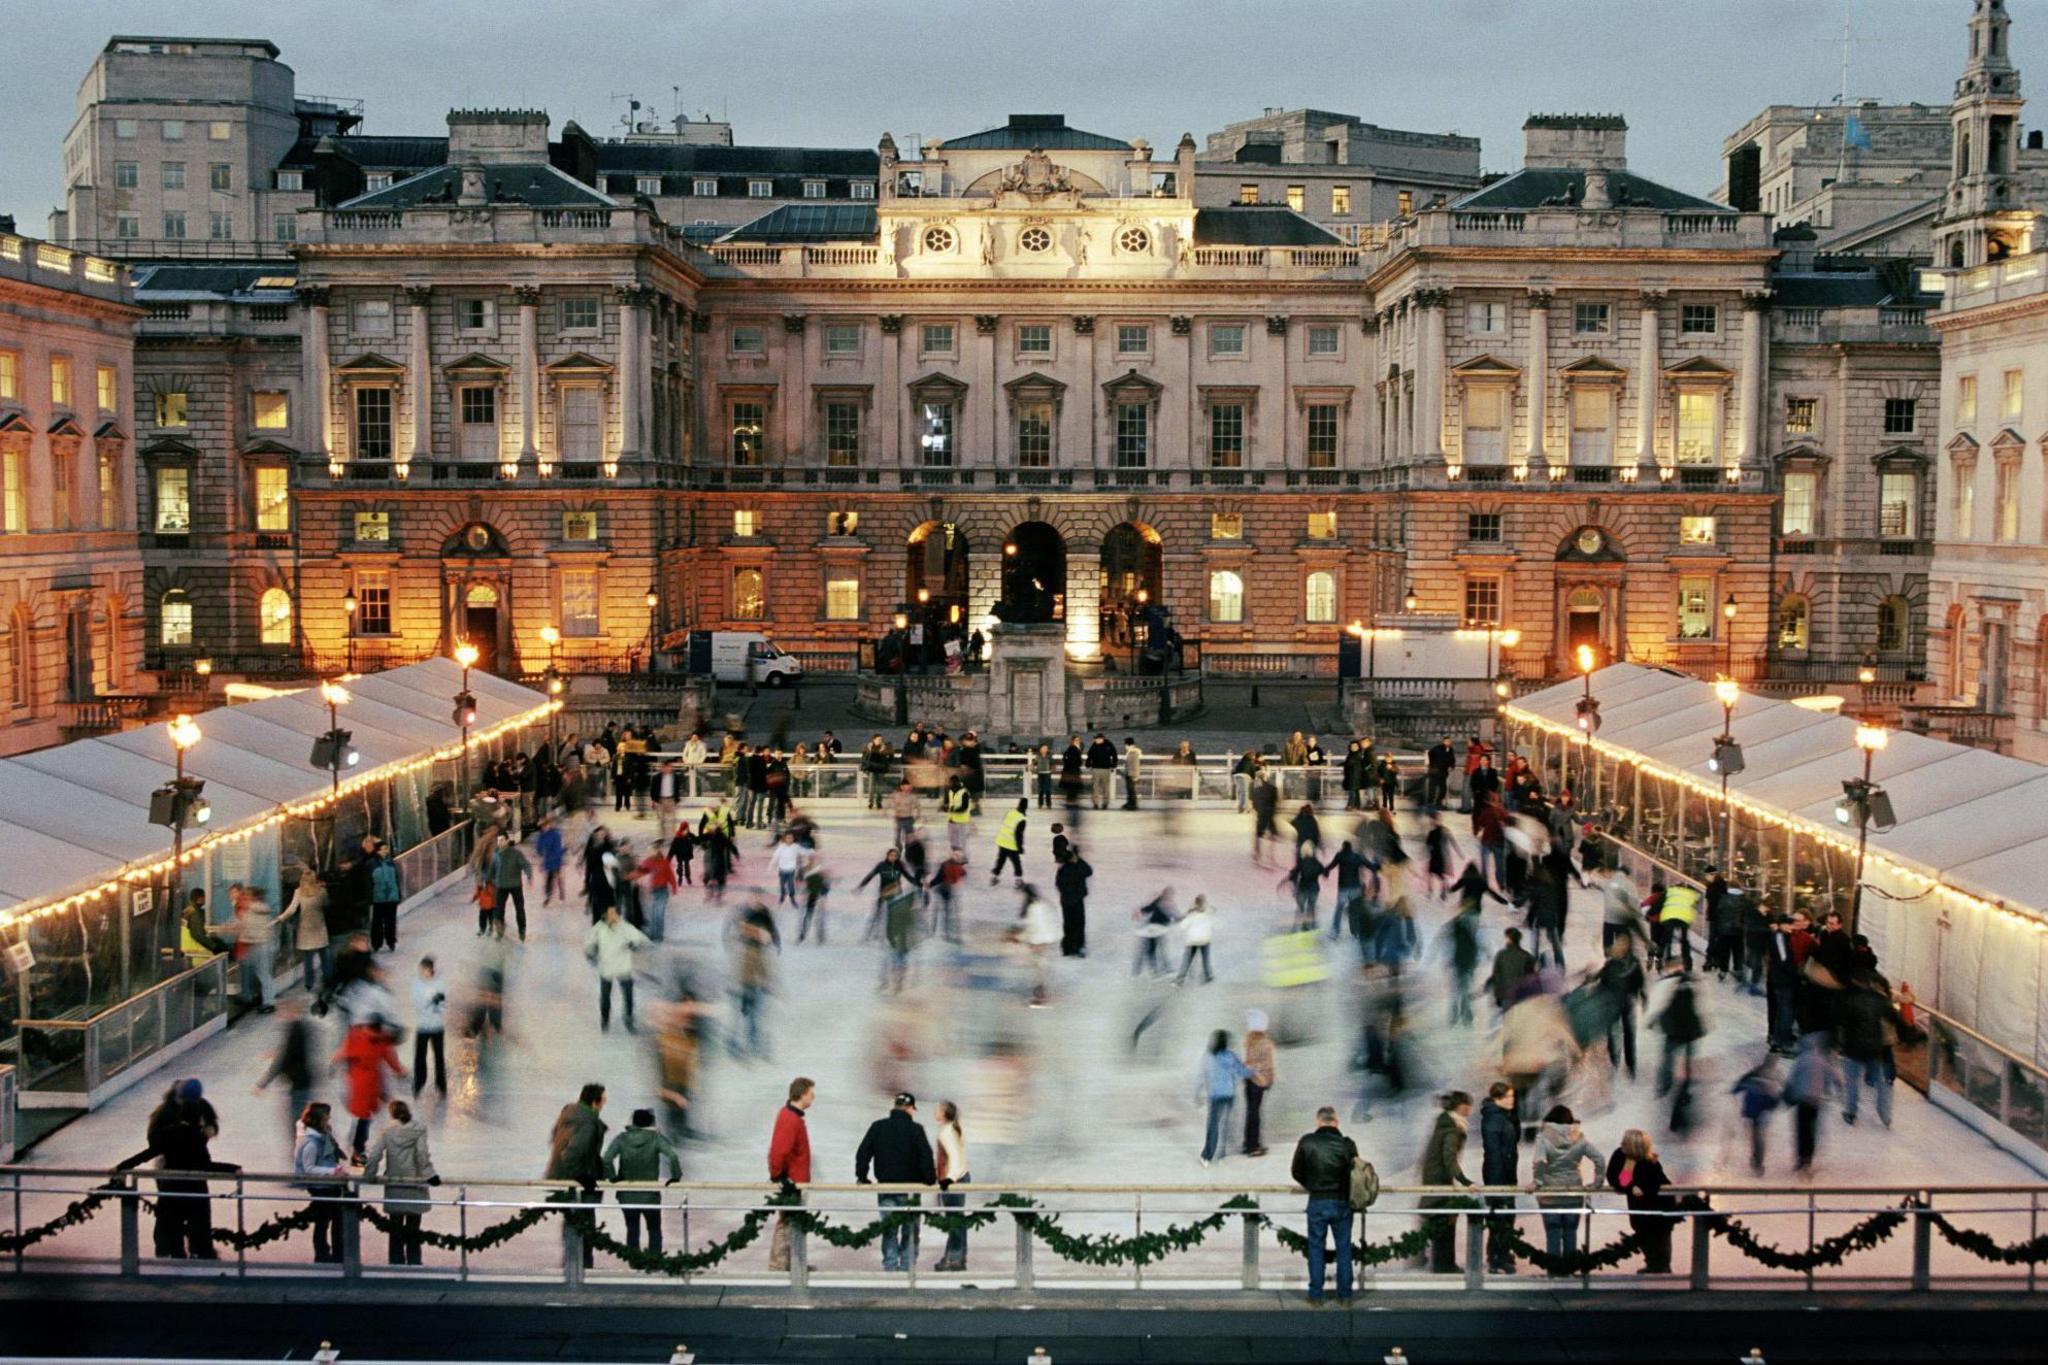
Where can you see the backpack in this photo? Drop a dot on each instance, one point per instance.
(1365, 1185)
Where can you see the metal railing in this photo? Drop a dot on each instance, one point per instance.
(80, 1056)
(1989, 1077)
(1028, 1238)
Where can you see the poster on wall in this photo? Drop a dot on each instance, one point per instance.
(231, 861)
(144, 900)
(20, 958)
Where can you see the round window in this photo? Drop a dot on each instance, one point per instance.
(938, 239)
(1590, 541)
(1034, 239)
(1135, 240)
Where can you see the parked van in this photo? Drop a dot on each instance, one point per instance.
(743, 656)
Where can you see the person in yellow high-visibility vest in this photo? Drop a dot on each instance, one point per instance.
(1681, 907)
(1010, 841)
(959, 816)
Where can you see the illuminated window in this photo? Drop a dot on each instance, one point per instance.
(174, 618)
(1320, 606)
(109, 384)
(746, 523)
(173, 500)
(579, 603)
(1034, 435)
(1226, 597)
(173, 409)
(935, 433)
(13, 492)
(1247, 194)
(1297, 197)
(61, 455)
(1696, 530)
(842, 523)
(1322, 526)
(1133, 435)
(110, 487)
(372, 528)
(270, 409)
(747, 420)
(1793, 615)
(1322, 430)
(10, 375)
(1963, 500)
(373, 602)
(1485, 416)
(2005, 501)
(217, 131)
(842, 434)
(1798, 502)
(1482, 600)
(273, 498)
(2015, 400)
(1698, 413)
(1340, 200)
(749, 601)
(842, 599)
(274, 617)
(1966, 400)
(1898, 503)
(1226, 526)
(1226, 436)
(1800, 414)
(1695, 608)
(579, 526)
(1404, 203)
(60, 381)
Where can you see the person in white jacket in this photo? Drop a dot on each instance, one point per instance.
(1197, 928)
(610, 946)
(1040, 934)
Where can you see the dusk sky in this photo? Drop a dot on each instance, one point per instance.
(1685, 73)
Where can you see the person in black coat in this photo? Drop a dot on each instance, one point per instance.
(1499, 1138)
(1682, 1027)
(1071, 881)
(898, 1152)
(180, 1130)
(1635, 1173)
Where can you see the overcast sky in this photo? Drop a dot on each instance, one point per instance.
(1685, 73)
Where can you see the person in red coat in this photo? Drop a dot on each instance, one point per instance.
(789, 1159)
(366, 1053)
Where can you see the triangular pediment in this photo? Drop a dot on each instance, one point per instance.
(67, 426)
(474, 363)
(268, 447)
(939, 385)
(1962, 443)
(14, 421)
(1130, 381)
(1699, 367)
(369, 362)
(170, 445)
(1593, 367)
(581, 361)
(1486, 367)
(109, 431)
(2008, 441)
(1035, 383)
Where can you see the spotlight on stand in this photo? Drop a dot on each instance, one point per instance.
(1727, 759)
(334, 751)
(179, 805)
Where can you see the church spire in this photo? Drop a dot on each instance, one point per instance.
(1983, 217)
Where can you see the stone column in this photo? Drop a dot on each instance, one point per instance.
(1084, 599)
(632, 376)
(1650, 379)
(317, 373)
(885, 418)
(1756, 321)
(1375, 375)
(1539, 373)
(1429, 375)
(420, 372)
(528, 298)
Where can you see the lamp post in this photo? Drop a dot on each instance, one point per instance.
(1727, 760)
(348, 609)
(924, 620)
(1409, 601)
(1141, 597)
(465, 716)
(1866, 674)
(901, 620)
(333, 750)
(1728, 636)
(1864, 800)
(1589, 721)
(1356, 630)
(552, 679)
(653, 608)
(178, 805)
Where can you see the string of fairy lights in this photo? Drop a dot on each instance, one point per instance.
(19, 917)
(1772, 816)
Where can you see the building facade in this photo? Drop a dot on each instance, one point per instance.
(1867, 177)
(70, 571)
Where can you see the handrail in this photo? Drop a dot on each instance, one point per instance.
(126, 1002)
(1948, 1021)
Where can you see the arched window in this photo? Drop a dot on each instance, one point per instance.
(174, 618)
(21, 663)
(1892, 625)
(749, 603)
(1322, 597)
(1226, 597)
(274, 617)
(1792, 621)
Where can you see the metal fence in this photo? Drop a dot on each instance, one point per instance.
(78, 1058)
(1036, 1240)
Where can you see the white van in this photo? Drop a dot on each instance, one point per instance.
(743, 656)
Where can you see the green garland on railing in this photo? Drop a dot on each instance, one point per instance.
(274, 1229)
(1825, 1254)
(1405, 1247)
(77, 1212)
(1576, 1262)
(2030, 1252)
(496, 1235)
(666, 1263)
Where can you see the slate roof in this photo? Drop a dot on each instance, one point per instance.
(1049, 131)
(505, 183)
(1545, 187)
(1885, 282)
(650, 158)
(810, 223)
(1258, 225)
(374, 153)
(212, 279)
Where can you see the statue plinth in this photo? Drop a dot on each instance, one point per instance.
(1027, 676)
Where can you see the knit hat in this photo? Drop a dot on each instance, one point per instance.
(190, 1089)
(1255, 1020)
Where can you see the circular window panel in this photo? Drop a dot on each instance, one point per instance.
(1034, 239)
(1135, 240)
(938, 239)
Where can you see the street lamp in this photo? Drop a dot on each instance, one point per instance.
(1408, 602)
(179, 804)
(348, 607)
(1727, 759)
(333, 750)
(1863, 804)
(465, 715)
(1589, 719)
(1865, 676)
(653, 619)
(901, 620)
(1142, 596)
(552, 679)
(1728, 635)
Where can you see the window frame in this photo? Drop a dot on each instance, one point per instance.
(1702, 615)
(1591, 318)
(1319, 597)
(267, 621)
(1131, 433)
(759, 188)
(1907, 411)
(1810, 478)
(596, 426)
(1485, 528)
(1226, 586)
(925, 332)
(1691, 525)
(160, 476)
(579, 617)
(1217, 331)
(1483, 596)
(127, 175)
(358, 394)
(704, 187)
(1141, 332)
(755, 339)
(754, 430)
(1329, 331)
(843, 422)
(1715, 441)
(259, 508)
(840, 330)
(1340, 201)
(1795, 424)
(257, 421)
(581, 526)
(1793, 606)
(188, 636)
(378, 518)
(170, 175)
(107, 388)
(1966, 400)
(1028, 334)
(1486, 317)
(759, 608)
(1699, 319)
(220, 177)
(1912, 475)
(1216, 414)
(839, 611)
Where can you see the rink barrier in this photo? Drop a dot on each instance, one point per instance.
(489, 1214)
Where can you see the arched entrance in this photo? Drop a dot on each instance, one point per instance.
(1582, 620)
(1034, 574)
(1131, 581)
(1591, 577)
(935, 582)
(479, 624)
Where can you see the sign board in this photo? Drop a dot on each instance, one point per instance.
(142, 900)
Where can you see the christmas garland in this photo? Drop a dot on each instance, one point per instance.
(1406, 1247)
(1978, 1244)
(669, 1263)
(1575, 1262)
(497, 1234)
(1869, 1233)
(270, 1230)
(80, 1211)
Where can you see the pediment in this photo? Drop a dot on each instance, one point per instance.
(13, 422)
(582, 361)
(1486, 367)
(1130, 381)
(369, 362)
(939, 385)
(268, 447)
(170, 445)
(476, 362)
(1963, 444)
(109, 431)
(1035, 384)
(67, 426)
(2008, 442)
(1593, 367)
(1699, 367)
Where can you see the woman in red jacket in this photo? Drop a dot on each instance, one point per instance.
(366, 1053)
(789, 1160)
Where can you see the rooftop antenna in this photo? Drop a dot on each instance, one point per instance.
(631, 118)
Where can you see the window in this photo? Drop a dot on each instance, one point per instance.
(1963, 501)
(476, 315)
(1483, 528)
(128, 226)
(747, 423)
(173, 500)
(1485, 412)
(1034, 339)
(704, 187)
(1226, 597)
(372, 528)
(1133, 435)
(1226, 436)
(217, 131)
(220, 176)
(124, 127)
(1892, 625)
(220, 227)
(2015, 400)
(1800, 414)
(10, 375)
(60, 381)
(1321, 448)
(1404, 203)
(1486, 319)
(477, 419)
(579, 434)
(174, 619)
(274, 617)
(1340, 200)
(1325, 339)
(579, 526)
(273, 497)
(1696, 530)
(174, 225)
(284, 227)
(1589, 319)
(1297, 197)
(1966, 400)
(2005, 501)
(173, 175)
(579, 603)
(749, 341)
(1798, 504)
(760, 189)
(936, 338)
(174, 130)
(649, 185)
(373, 600)
(1793, 616)
(1482, 600)
(271, 409)
(749, 600)
(13, 492)
(842, 599)
(108, 380)
(294, 181)
(376, 180)
(1592, 414)
(1034, 435)
(371, 317)
(1320, 606)
(1698, 319)
(1898, 503)
(1132, 340)
(1697, 413)
(110, 489)
(1226, 526)
(746, 523)
(863, 189)
(1695, 608)
(373, 423)
(1247, 194)
(814, 189)
(1901, 416)
(1322, 526)
(842, 338)
(579, 314)
(935, 433)
(61, 456)
(842, 434)
(1226, 339)
(127, 175)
